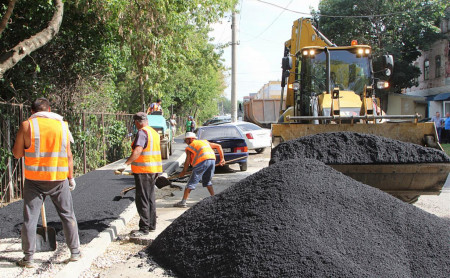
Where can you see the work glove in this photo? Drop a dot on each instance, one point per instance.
(122, 167)
(72, 184)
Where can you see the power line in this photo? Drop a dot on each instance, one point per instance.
(333, 16)
(284, 9)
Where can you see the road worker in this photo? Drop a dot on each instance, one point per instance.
(146, 165)
(199, 154)
(44, 140)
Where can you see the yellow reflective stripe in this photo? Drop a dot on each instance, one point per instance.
(147, 164)
(64, 137)
(46, 154)
(46, 168)
(151, 153)
(37, 134)
(202, 155)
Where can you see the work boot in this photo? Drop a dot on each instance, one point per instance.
(138, 233)
(26, 263)
(180, 204)
(75, 257)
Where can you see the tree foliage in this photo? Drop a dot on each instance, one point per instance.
(116, 55)
(398, 27)
(12, 56)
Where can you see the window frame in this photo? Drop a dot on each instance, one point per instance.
(438, 64)
(426, 69)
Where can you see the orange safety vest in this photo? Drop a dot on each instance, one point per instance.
(46, 159)
(201, 151)
(150, 159)
(155, 107)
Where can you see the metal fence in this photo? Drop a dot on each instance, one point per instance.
(100, 138)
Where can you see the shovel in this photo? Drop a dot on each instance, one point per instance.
(45, 236)
(163, 181)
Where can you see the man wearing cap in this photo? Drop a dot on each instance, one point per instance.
(199, 154)
(146, 165)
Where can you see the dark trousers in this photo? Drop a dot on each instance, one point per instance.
(34, 193)
(445, 136)
(145, 200)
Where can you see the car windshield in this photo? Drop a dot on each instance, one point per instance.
(218, 133)
(248, 127)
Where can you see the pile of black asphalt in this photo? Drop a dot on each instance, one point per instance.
(355, 148)
(94, 202)
(301, 218)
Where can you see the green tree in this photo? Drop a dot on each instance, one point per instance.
(397, 27)
(158, 35)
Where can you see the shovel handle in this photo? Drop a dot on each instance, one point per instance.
(44, 217)
(232, 160)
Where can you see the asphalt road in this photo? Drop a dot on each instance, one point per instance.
(94, 200)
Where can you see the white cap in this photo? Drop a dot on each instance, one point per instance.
(190, 135)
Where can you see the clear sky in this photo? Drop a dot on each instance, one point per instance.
(262, 31)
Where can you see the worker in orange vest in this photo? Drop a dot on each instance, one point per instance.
(199, 154)
(44, 140)
(155, 107)
(146, 165)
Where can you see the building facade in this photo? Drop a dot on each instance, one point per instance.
(433, 91)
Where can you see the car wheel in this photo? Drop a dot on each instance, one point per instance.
(260, 150)
(165, 151)
(243, 166)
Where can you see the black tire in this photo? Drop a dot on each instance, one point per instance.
(260, 150)
(170, 148)
(243, 166)
(165, 151)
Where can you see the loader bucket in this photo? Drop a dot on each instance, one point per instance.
(418, 133)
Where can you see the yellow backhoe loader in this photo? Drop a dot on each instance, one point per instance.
(332, 88)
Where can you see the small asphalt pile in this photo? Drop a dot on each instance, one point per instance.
(355, 148)
(301, 218)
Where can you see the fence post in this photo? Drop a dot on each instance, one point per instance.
(84, 144)
(104, 141)
(10, 195)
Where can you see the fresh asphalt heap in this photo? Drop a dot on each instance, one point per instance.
(301, 218)
(355, 148)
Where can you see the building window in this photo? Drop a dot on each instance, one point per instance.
(416, 79)
(438, 66)
(426, 70)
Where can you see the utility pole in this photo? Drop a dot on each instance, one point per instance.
(233, 68)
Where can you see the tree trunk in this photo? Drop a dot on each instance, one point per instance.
(7, 15)
(141, 91)
(24, 48)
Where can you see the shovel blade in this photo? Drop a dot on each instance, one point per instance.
(162, 181)
(45, 239)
